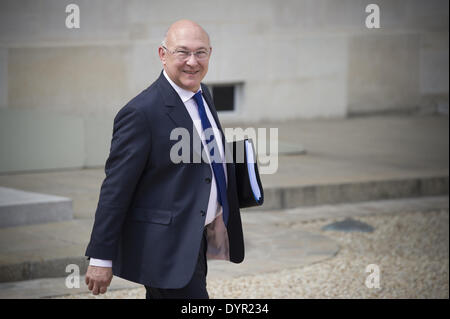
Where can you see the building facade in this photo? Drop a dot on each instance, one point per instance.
(272, 60)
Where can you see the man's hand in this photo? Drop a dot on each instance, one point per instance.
(98, 279)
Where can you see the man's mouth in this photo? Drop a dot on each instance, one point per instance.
(191, 72)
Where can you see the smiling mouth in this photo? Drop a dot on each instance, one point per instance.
(191, 72)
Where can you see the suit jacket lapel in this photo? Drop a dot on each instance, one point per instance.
(177, 111)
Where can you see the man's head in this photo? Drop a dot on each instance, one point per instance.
(185, 54)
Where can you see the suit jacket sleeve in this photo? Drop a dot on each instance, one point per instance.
(130, 148)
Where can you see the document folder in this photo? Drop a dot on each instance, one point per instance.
(248, 183)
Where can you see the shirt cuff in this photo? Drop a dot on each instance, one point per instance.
(100, 262)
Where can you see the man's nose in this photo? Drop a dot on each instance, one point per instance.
(192, 60)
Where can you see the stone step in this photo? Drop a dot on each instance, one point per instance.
(18, 208)
(352, 192)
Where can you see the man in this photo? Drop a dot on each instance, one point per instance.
(157, 221)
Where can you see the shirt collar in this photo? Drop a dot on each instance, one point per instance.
(185, 95)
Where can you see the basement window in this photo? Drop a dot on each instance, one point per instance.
(224, 96)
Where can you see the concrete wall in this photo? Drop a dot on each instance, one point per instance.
(307, 59)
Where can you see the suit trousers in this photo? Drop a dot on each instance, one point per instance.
(196, 287)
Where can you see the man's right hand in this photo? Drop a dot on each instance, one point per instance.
(98, 279)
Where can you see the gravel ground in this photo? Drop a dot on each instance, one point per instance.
(411, 251)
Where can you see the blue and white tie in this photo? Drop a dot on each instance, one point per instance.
(217, 167)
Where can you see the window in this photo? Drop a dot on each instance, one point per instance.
(224, 96)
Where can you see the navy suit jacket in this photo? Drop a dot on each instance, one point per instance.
(151, 212)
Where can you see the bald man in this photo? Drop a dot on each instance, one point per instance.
(158, 220)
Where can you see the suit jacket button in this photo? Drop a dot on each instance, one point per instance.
(208, 180)
(203, 212)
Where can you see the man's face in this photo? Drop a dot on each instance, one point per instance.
(187, 71)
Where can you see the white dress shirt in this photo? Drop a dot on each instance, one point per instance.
(214, 209)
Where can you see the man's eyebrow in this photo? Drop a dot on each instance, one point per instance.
(186, 48)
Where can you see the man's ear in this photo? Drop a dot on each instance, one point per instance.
(162, 55)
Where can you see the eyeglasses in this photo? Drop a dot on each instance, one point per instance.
(183, 55)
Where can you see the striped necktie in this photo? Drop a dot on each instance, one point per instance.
(217, 167)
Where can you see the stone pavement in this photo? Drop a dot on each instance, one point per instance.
(271, 245)
(347, 161)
